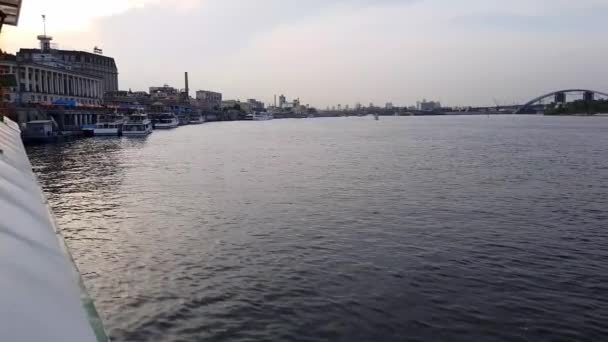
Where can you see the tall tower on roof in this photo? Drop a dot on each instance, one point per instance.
(45, 41)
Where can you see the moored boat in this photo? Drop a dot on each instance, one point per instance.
(41, 131)
(109, 125)
(196, 119)
(184, 119)
(137, 125)
(166, 121)
(262, 116)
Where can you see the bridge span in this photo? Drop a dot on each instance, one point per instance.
(560, 96)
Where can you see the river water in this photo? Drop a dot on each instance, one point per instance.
(342, 229)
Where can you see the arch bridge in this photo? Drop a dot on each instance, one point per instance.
(560, 96)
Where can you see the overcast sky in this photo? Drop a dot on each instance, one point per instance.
(339, 51)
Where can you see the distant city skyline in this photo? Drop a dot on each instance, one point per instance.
(330, 52)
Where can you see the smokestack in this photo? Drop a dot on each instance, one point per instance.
(187, 88)
(275, 100)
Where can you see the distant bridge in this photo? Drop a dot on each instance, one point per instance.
(560, 97)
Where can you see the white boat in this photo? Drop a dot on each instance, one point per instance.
(167, 121)
(263, 116)
(109, 125)
(183, 119)
(137, 125)
(196, 119)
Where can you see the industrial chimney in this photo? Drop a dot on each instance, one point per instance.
(187, 87)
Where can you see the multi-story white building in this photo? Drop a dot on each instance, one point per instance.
(48, 75)
(44, 84)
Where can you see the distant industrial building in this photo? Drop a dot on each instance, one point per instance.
(208, 100)
(284, 104)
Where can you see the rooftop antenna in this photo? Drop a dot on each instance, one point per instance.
(45, 41)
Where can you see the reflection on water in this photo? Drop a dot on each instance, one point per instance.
(439, 228)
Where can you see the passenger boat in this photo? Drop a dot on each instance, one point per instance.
(184, 119)
(196, 119)
(166, 121)
(137, 125)
(262, 116)
(109, 125)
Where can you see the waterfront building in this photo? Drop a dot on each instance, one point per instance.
(286, 105)
(88, 63)
(127, 99)
(208, 100)
(38, 83)
(389, 106)
(93, 64)
(256, 106)
(47, 75)
(428, 106)
(165, 92)
(229, 104)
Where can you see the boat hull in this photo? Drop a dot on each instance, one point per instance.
(106, 132)
(165, 126)
(136, 133)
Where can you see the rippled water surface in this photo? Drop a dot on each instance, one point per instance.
(342, 229)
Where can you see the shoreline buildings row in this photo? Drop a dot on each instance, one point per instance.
(73, 89)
